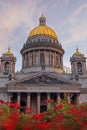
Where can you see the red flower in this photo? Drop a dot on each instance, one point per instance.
(82, 107)
(59, 107)
(84, 126)
(9, 125)
(76, 119)
(14, 105)
(29, 110)
(48, 113)
(2, 101)
(60, 117)
(12, 121)
(48, 101)
(38, 116)
(45, 125)
(26, 128)
(61, 127)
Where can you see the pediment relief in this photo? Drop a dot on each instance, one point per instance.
(42, 79)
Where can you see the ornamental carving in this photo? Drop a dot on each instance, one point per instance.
(43, 79)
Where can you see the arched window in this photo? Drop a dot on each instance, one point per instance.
(42, 59)
(7, 67)
(79, 67)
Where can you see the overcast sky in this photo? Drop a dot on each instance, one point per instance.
(67, 17)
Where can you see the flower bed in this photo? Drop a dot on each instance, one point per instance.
(61, 117)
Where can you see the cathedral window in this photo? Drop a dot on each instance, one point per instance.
(42, 59)
(7, 67)
(79, 67)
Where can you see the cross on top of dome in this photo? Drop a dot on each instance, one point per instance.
(9, 52)
(42, 20)
(77, 52)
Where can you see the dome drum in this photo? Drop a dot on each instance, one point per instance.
(37, 56)
(42, 48)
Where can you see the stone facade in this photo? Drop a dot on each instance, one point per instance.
(42, 75)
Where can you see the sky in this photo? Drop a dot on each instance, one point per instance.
(67, 17)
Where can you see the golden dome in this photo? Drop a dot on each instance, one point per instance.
(77, 52)
(43, 29)
(9, 52)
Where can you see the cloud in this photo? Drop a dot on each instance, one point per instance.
(16, 13)
(74, 27)
(77, 12)
(17, 18)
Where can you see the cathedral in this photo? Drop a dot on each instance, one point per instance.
(42, 75)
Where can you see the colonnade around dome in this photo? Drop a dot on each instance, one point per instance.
(42, 57)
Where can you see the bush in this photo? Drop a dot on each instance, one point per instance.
(61, 117)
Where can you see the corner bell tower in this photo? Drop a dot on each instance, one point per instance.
(78, 63)
(8, 61)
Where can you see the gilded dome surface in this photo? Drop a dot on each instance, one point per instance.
(77, 52)
(43, 29)
(8, 52)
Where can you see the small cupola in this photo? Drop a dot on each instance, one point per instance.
(42, 20)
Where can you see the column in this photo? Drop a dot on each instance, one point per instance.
(77, 98)
(25, 60)
(49, 58)
(33, 58)
(22, 61)
(10, 67)
(28, 59)
(9, 98)
(18, 98)
(68, 99)
(39, 58)
(55, 60)
(38, 102)
(48, 98)
(61, 60)
(44, 57)
(58, 98)
(59, 63)
(28, 99)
